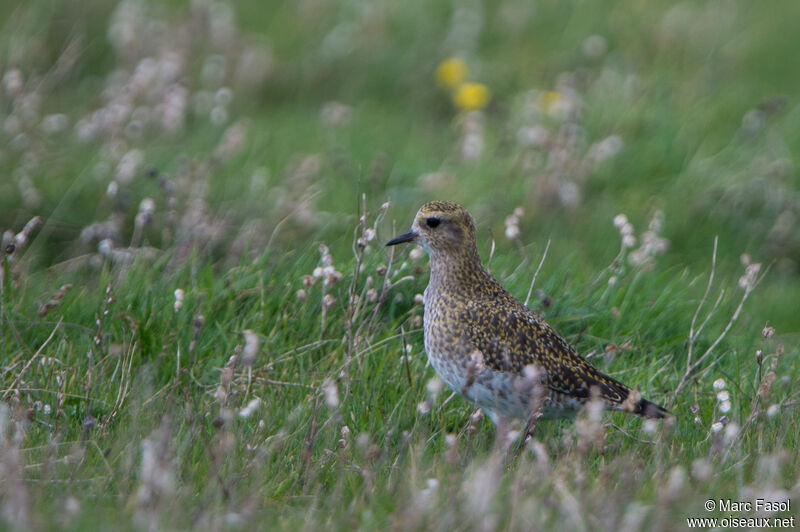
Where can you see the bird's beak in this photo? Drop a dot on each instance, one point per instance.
(402, 239)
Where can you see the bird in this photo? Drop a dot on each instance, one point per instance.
(488, 347)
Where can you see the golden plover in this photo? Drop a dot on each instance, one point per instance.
(487, 346)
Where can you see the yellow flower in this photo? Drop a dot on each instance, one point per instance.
(471, 96)
(451, 72)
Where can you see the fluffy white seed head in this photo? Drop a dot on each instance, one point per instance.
(251, 346)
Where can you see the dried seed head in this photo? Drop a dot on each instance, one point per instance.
(179, 294)
(731, 431)
(331, 277)
(702, 470)
(251, 347)
(251, 407)
(767, 332)
(475, 367)
(326, 258)
(105, 247)
(676, 481)
(628, 241)
(433, 386)
(626, 229)
(328, 301)
(533, 373)
(748, 281)
(331, 393)
(336, 114)
(512, 231)
(147, 206)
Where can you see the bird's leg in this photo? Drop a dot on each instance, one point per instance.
(533, 419)
(530, 427)
(513, 451)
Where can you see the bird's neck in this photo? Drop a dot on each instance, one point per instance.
(462, 273)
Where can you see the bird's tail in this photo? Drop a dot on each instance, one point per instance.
(648, 409)
(621, 397)
(633, 402)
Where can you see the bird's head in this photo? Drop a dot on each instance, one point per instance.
(442, 228)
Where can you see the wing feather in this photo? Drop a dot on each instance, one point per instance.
(512, 339)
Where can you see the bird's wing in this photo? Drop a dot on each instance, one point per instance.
(510, 339)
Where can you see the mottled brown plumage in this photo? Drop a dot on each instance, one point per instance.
(487, 346)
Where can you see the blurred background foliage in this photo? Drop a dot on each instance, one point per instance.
(702, 95)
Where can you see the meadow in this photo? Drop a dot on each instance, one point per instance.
(201, 328)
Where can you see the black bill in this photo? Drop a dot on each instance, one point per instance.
(402, 239)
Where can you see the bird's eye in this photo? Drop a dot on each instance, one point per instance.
(433, 222)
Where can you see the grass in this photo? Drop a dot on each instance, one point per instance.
(258, 146)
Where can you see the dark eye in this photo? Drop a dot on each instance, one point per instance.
(433, 222)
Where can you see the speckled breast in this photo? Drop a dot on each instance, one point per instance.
(498, 393)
